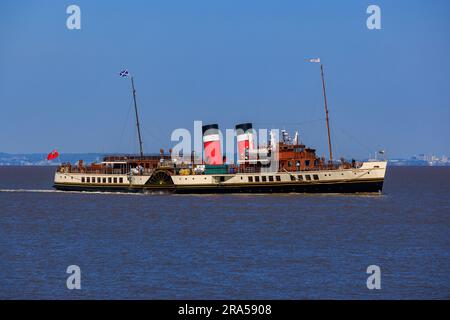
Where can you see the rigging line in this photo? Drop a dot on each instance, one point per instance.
(130, 107)
(339, 147)
(141, 142)
(133, 138)
(125, 123)
(367, 147)
(154, 131)
(124, 127)
(290, 123)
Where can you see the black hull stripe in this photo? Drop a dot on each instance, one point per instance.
(276, 184)
(343, 187)
(228, 185)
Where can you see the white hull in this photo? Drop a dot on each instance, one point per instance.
(314, 180)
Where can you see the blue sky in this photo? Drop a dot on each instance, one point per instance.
(225, 62)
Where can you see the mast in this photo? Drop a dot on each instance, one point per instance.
(326, 113)
(137, 118)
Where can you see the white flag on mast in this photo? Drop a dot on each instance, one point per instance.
(316, 60)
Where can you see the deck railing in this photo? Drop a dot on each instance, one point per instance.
(102, 170)
(230, 169)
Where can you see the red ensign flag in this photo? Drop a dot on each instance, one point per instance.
(53, 155)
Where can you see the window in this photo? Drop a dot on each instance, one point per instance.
(316, 177)
(115, 180)
(307, 163)
(104, 180)
(88, 180)
(250, 179)
(120, 180)
(109, 180)
(308, 177)
(222, 178)
(264, 178)
(93, 179)
(99, 180)
(292, 177)
(300, 177)
(278, 178)
(256, 179)
(82, 179)
(271, 178)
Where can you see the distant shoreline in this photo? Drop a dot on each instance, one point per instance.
(40, 159)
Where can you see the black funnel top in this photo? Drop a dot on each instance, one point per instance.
(244, 126)
(210, 127)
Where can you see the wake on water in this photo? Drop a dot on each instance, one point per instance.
(147, 193)
(79, 192)
(28, 190)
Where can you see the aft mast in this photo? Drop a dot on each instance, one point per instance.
(326, 113)
(317, 60)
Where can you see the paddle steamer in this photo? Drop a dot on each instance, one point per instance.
(298, 168)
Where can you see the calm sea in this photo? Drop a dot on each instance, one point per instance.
(290, 246)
